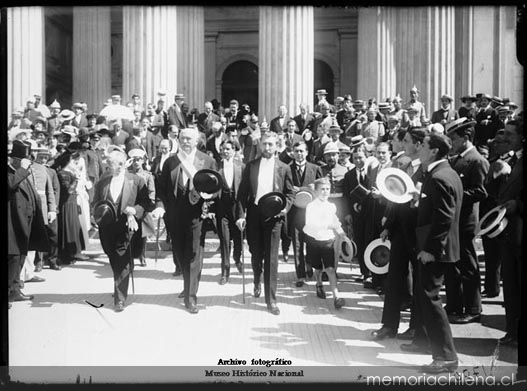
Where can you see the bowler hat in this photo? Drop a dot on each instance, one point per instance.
(271, 204)
(377, 256)
(21, 149)
(105, 212)
(207, 181)
(462, 126)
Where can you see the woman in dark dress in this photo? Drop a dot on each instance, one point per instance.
(71, 240)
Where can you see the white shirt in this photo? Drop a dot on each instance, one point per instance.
(281, 121)
(462, 154)
(432, 165)
(414, 166)
(162, 160)
(217, 142)
(188, 160)
(228, 170)
(265, 178)
(116, 186)
(321, 220)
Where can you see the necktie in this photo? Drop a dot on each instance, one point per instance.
(300, 171)
(361, 176)
(513, 160)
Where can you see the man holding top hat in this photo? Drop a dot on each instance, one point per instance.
(437, 234)
(265, 196)
(184, 209)
(463, 279)
(120, 200)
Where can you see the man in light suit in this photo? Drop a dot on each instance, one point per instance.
(437, 236)
(230, 170)
(129, 194)
(261, 176)
(175, 114)
(183, 207)
(206, 119)
(279, 124)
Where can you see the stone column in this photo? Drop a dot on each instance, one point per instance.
(191, 55)
(92, 73)
(150, 49)
(376, 53)
(210, 66)
(348, 62)
(425, 53)
(26, 61)
(286, 62)
(464, 52)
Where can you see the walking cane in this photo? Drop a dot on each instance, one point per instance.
(157, 237)
(131, 262)
(243, 264)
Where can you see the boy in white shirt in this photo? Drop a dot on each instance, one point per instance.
(322, 226)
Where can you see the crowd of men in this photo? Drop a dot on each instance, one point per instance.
(463, 162)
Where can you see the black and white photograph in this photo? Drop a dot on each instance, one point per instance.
(264, 194)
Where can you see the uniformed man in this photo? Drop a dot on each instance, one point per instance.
(419, 106)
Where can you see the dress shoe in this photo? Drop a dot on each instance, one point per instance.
(490, 295)
(299, 283)
(54, 266)
(192, 308)
(142, 262)
(239, 267)
(383, 332)
(320, 292)
(177, 273)
(181, 295)
(309, 273)
(36, 279)
(509, 340)
(405, 306)
(368, 283)
(20, 297)
(119, 306)
(81, 257)
(450, 312)
(325, 276)
(339, 302)
(464, 319)
(380, 291)
(257, 290)
(415, 348)
(38, 268)
(440, 366)
(286, 258)
(273, 309)
(224, 280)
(358, 279)
(408, 335)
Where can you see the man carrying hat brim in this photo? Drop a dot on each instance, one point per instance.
(128, 194)
(322, 98)
(446, 113)
(175, 115)
(463, 279)
(260, 177)
(486, 119)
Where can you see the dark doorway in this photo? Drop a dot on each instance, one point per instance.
(324, 80)
(240, 82)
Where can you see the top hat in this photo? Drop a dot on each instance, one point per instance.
(377, 256)
(460, 126)
(271, 204)
(321, 92)
(105, 212)
(207, 181)
(395, 185)
(303, 196)
(20, 149)
(468, 97)
(493, 223)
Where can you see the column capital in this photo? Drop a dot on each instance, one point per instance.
(347, 33)
(211, 36)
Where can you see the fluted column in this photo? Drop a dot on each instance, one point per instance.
(464, 50)
(26, 65)
(286, 61)
(376, 60)
(191, 55)
(210, 66)
(92, 56)
(425, 53)
(150, 51)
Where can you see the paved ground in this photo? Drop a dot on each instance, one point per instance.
(59, 329)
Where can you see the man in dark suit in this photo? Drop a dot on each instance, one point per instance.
(175, 114)
(184, 209)
(468, 109)
(304, 174)
(279, 124)
(463, 280)
(486, 118)
(206, 119)
(261, 176)
(437, 235)
(120, 137)
(446, 113)
(291, 135)
(230, 170)
(511, 196)
(400, 227)
(304, 120)
(235, 116)
(213, 145)
(129, 194)
(25, 222)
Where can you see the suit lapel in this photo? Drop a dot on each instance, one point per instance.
(127, 191)
(276, 175)
(255, 168)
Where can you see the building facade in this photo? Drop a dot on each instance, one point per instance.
(264, 56)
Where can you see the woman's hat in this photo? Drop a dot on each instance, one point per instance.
(377, 256)
(105, 212)
(207, 181)
(395, 185)
(271, 204)
(493, 223)
(303, 196)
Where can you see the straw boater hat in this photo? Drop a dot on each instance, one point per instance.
(493, 223)
(395, 185)
(303, 196)
(66, 115)
(377, 256)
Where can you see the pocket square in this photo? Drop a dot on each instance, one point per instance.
(423, 195)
